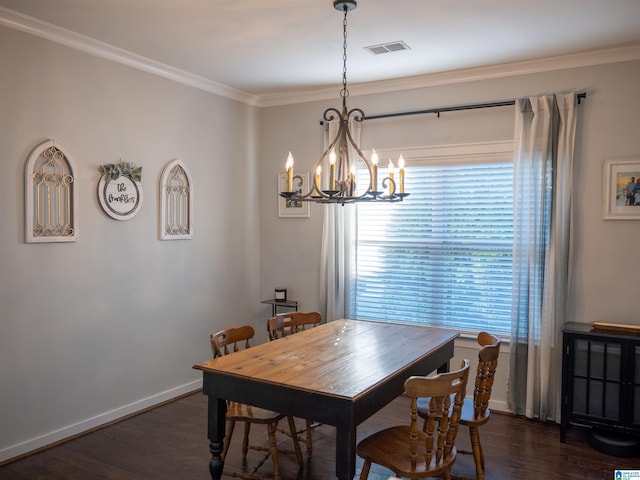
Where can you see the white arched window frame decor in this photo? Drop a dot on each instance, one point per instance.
(176, 202)
(51, 195)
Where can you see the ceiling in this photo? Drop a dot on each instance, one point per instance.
(274, 47)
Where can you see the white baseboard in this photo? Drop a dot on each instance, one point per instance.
(498, 406)
(93, 422)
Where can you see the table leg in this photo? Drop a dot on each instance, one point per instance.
(345, 453)
(216, 425)
(444, 368)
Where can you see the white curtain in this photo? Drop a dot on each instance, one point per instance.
(543, 174)
(337, 252)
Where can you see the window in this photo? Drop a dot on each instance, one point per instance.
(443, 257)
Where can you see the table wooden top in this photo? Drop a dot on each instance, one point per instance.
(343, 358)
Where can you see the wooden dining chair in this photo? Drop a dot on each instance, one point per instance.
(286, 324)
(411, 452)
(476, 413)
(226, 342)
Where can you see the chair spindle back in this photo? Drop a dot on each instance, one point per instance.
(285, 324)
(447, 392)
(487, 363)
(231, 339)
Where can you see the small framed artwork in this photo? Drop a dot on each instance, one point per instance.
(293, 208)
(621, 189)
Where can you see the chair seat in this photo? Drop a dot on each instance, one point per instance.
(466, 416)
(249, 413)
(390, 448)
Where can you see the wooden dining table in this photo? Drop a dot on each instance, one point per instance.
(339, 373)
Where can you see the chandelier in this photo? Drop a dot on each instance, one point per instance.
(343, 158)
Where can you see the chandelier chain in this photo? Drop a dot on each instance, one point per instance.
(345, 92)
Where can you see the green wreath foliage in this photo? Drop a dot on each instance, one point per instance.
(112, 171)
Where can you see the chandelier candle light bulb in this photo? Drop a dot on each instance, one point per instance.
(352, 181)
(401, 167)
(391, 183)
(332, 170)
(374, 170)
(318, 177)
(289, 168)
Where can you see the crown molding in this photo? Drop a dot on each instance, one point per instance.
(18, 21)
(562, 62)
(33, 26)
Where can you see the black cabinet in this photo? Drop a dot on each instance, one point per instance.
(600, 379)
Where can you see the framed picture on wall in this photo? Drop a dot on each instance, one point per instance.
(621, 189)
(292, 208)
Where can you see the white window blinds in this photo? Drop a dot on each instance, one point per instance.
(443, 257)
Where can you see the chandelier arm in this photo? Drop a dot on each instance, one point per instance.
(388, 181)
(364, 160)
(316, 187)
(353, 113)
(299, 180)
(346, 183)
(327, 117)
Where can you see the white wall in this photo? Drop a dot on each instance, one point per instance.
(114, 322)
(605, 251)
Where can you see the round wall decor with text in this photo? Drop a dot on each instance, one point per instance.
(120, 190)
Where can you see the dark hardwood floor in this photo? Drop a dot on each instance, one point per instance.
(169, 443)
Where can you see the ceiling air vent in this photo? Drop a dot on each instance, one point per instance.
(387, 47)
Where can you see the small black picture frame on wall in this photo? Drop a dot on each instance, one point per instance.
(621, 189)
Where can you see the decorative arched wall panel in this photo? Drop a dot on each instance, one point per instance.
(176, 202)
(51, 195)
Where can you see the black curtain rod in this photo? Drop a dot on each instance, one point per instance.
(440, 110)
